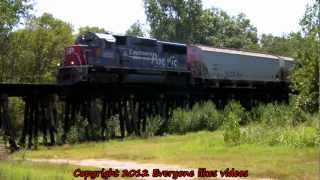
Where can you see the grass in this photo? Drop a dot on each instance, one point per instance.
(13, 170)
(199, 149)
(17, 170)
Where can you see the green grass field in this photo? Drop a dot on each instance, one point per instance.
(26, 170)
(200, 149)
(17, 170)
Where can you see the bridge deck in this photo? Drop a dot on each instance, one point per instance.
(23, 89)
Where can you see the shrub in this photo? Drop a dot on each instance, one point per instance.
(201, 117)
(233, 114)
(59, 135)
(205, 117)
(302, 135)
(77, 132)
(112, 126)
(236, 108)
(73, 136)
(270, 114)
(16, 108)
(152, 126)
(231, 133)
(180, 122)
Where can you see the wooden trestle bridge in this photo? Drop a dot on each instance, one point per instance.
(46, 104)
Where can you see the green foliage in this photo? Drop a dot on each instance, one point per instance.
(85, 29)
(236, 108)
(275, 124)
(77, 133)
(286, 45)
(153, 125)
(12, 11)
(112, 126)
(16, 108)
(231, 129)
(36, 50)
(188, 22)
(205, 116)
(230, 32)
(59, 135)
(174, 20)
(317, 125)
(233, 114)
(311, 19)
(73, 136)
(201, 117)
(135, 29)
(305, 77)
(180, 121)
(272, 114)
(272, 124)
(275, 115)
(83, 131)
(293, 136)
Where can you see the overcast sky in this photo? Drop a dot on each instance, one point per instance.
(277, 17)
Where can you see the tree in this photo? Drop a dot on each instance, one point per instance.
(36, 50)
(91, 29)
(174, 20)
(186, 21)
(223, 30)
(311, 19)
(11, 13)
(135, 30)
(305, 77)
(282, 46)
(14, 63)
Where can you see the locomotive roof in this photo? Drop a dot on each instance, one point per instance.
(245, 53)
(106, 36)
(112, 38)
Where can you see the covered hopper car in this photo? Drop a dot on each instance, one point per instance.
(216, 65)
(107, 58)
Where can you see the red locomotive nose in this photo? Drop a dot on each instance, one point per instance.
(74, 55)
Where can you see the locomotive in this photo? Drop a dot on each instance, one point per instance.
(108, 58)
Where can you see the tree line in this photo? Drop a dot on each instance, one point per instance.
(31, 53)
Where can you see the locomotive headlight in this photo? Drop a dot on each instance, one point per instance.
(72, 63)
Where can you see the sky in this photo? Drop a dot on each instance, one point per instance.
(277, 17)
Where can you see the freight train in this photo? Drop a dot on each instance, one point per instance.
(107, 58)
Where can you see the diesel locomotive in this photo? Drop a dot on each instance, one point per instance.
(108, 58)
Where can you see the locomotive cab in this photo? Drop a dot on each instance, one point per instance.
(90, 51)
(98, 47)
